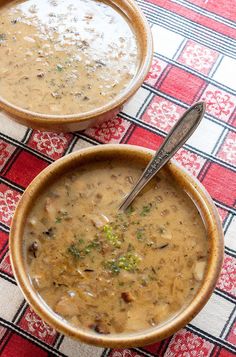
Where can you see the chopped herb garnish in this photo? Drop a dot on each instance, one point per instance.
(130, 210)
(82, 252)
(128, 262)
(146, 209)
(58, 219)
(111, 236)
(74, 251)
(140, 234)
(90, 246)
(112, 265)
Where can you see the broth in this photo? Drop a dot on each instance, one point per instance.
(113, 271)
(64, 57)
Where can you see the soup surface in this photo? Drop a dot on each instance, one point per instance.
(111, 271)
(64, 56)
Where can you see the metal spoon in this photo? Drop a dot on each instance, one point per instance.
(178, 135)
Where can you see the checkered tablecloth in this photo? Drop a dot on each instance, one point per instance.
(194, 59)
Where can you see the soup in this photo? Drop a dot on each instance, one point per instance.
(111, 271)
(64, 57)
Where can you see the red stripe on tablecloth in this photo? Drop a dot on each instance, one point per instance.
(195, 17)
(222, 8)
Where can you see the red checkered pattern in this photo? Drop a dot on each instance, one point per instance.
(110, 131)
(198, 57)
(31, 323)
(219, 103)
(162, 113)
(8, 201)
(50, 144)
(155, 72)
(194, 59)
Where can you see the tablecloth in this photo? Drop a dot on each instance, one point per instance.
(194, 59)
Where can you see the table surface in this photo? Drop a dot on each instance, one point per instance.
(194, 59)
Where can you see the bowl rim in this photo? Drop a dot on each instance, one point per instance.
(134, 84)
(190, 184)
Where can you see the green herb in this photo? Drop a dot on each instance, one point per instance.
(111, 236)
(90, 246)
(81, 253)
(74, 251)
(59, 67)
(128, 262)
(146, 209)
(130, 210)
(140, 234)
(112, 265)
(58, 219)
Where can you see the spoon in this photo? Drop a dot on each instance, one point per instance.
(178, 135)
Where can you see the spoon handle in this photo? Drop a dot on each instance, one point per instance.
(178, 135)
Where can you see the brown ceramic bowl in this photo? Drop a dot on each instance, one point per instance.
(193, 188)
(81, 121)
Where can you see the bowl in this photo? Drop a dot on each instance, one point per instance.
(81, 121)
(191, 186)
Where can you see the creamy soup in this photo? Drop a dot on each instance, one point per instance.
(64, 56)
(112, 271)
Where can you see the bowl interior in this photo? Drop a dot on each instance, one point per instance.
(193, 188)
(142, 32)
